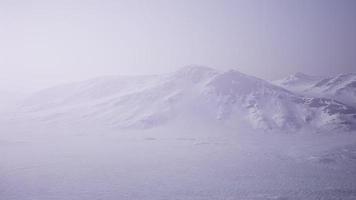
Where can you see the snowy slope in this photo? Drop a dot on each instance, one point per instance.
(177, 136)
(298, 82)
(195, 94)
(341, 87)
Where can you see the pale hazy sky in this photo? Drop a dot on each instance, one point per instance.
(47, 42)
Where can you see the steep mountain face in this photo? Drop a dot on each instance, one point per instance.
(341, 88)
(195, 94)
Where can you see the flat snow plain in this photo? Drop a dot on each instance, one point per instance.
(172, 162)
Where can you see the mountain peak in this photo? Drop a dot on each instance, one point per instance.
(298, 80)
(194, 73)
(195, 69)
(193, 92)
(303, 77)
(340, 87)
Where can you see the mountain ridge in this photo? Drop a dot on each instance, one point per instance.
(341, 87)
(201, 94)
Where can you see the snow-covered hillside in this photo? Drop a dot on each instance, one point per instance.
(195, 94)
(197, 134)
(341, 87)
(298, 82)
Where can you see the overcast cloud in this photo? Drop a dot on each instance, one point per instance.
(48, 42)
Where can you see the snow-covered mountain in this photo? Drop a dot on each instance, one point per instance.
(298, 82)
(191, 94)
(341, 87)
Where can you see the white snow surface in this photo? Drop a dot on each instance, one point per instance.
(195, 134)
(201, 94)
(341, 87)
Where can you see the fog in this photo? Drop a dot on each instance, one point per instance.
(44, 43)
(222, 118)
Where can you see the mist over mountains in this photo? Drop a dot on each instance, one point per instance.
(197, 133)
(200, 95)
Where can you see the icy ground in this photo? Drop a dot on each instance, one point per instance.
(175, 163)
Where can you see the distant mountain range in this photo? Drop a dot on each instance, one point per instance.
(200, 95)
(341, 87)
